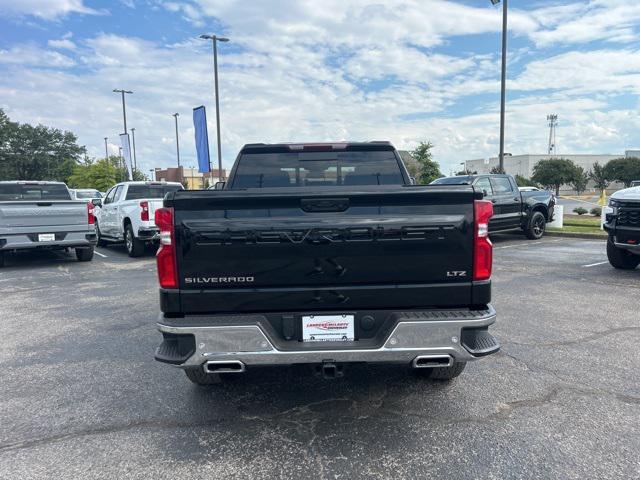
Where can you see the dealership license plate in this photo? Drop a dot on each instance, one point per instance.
(327, 328)
(46, 237)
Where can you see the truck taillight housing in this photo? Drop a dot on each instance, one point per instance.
(144, 211)
(166, 255)
(91, 218)
(482, 246)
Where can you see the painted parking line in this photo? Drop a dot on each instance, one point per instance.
(527, 244)
(595, 264)
(99, 254)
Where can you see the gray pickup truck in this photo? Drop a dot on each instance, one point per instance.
(42, 215)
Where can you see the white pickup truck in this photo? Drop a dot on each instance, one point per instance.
(127, 213)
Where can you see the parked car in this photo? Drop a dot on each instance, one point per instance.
(635, 183)
(622, 223)
(529, 189)
(42, 215)
(512, 208)
(127, 212)
(87, 194)
(324, 254)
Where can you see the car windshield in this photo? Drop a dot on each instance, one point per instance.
(22, 191)
(137, 192)
(460, 180)
(317, 169)
(82, 194)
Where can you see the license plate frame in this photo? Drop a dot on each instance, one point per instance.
(46, 237)
(328, 328)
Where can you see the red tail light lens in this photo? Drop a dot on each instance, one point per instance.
(144, 211)
(91, 218)
(166, 255)
(482, 246)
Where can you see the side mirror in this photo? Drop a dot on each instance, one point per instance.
(97, 202)
(412, 180)
(484, 191)
(219, 185)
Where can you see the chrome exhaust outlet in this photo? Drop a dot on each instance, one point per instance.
(223, 366)
(432, 361)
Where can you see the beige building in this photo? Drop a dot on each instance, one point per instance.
(190, 177)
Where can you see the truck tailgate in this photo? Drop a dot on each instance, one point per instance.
(277, 250)
(31, 216)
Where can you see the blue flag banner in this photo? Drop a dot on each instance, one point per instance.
(202, 139)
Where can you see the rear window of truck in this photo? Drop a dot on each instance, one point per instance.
(317, 169)
(19, 191)
(138, 192)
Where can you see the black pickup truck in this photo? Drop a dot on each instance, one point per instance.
(512, 209)
(324, 254)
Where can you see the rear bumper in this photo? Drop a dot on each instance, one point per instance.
(460, 334)
(148, 233)
(84, 239)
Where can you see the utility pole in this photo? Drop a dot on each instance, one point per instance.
(135, 161)
(553, 123)
(503, 79)
(176, 115)
(215, 39)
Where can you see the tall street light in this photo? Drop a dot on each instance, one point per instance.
(106, 150)
(215, 39)
(124, 108)
(176, 115)
(503, 78)
(135, 161)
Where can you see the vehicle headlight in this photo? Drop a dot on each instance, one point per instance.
(613, 205)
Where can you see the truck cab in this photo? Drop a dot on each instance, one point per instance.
(126, 213)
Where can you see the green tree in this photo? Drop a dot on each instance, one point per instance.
(100, 174)
(624, 170)
(428, 169)
(525, 182)
(554, 173)
(36, 153)
(599, 176)
(580, 180)
(496, 170)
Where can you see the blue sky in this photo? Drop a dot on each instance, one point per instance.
(300, 70)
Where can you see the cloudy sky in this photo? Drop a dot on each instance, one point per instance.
(300, 70)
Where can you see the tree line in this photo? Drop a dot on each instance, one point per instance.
(555, 172)
(44, 153)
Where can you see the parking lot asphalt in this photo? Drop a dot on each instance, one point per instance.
(82, 396)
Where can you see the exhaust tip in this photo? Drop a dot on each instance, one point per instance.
(432, 361)
(216, 366)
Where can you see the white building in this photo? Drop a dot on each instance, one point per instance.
(523, 164)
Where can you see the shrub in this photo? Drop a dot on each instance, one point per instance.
(580, 210)
(596, 211)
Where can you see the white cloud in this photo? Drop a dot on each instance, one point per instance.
(34, 56)
(62, 44)
(45, 9)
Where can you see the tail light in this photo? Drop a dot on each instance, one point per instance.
(144, 211)
(482, 247)
(166, 255)
(91, 218)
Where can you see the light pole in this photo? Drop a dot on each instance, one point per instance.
(176, 115)
(106, 150)
(135, 161)
(124, 108)
(151, 171)
(215, 39)
(503, 77)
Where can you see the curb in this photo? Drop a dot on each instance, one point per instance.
(592, 236)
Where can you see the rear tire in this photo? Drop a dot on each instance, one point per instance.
(101, 242)
(199, 377)
(84, 254)
(619, 258)
(536, 226)
(441, 373)
(135, 247)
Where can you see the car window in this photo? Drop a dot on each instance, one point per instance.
(26, 191)
(109, 197)
(484, 185)
(137, 192)
(317, 169)
(87, 194)
(118, 194)
(501, 185)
